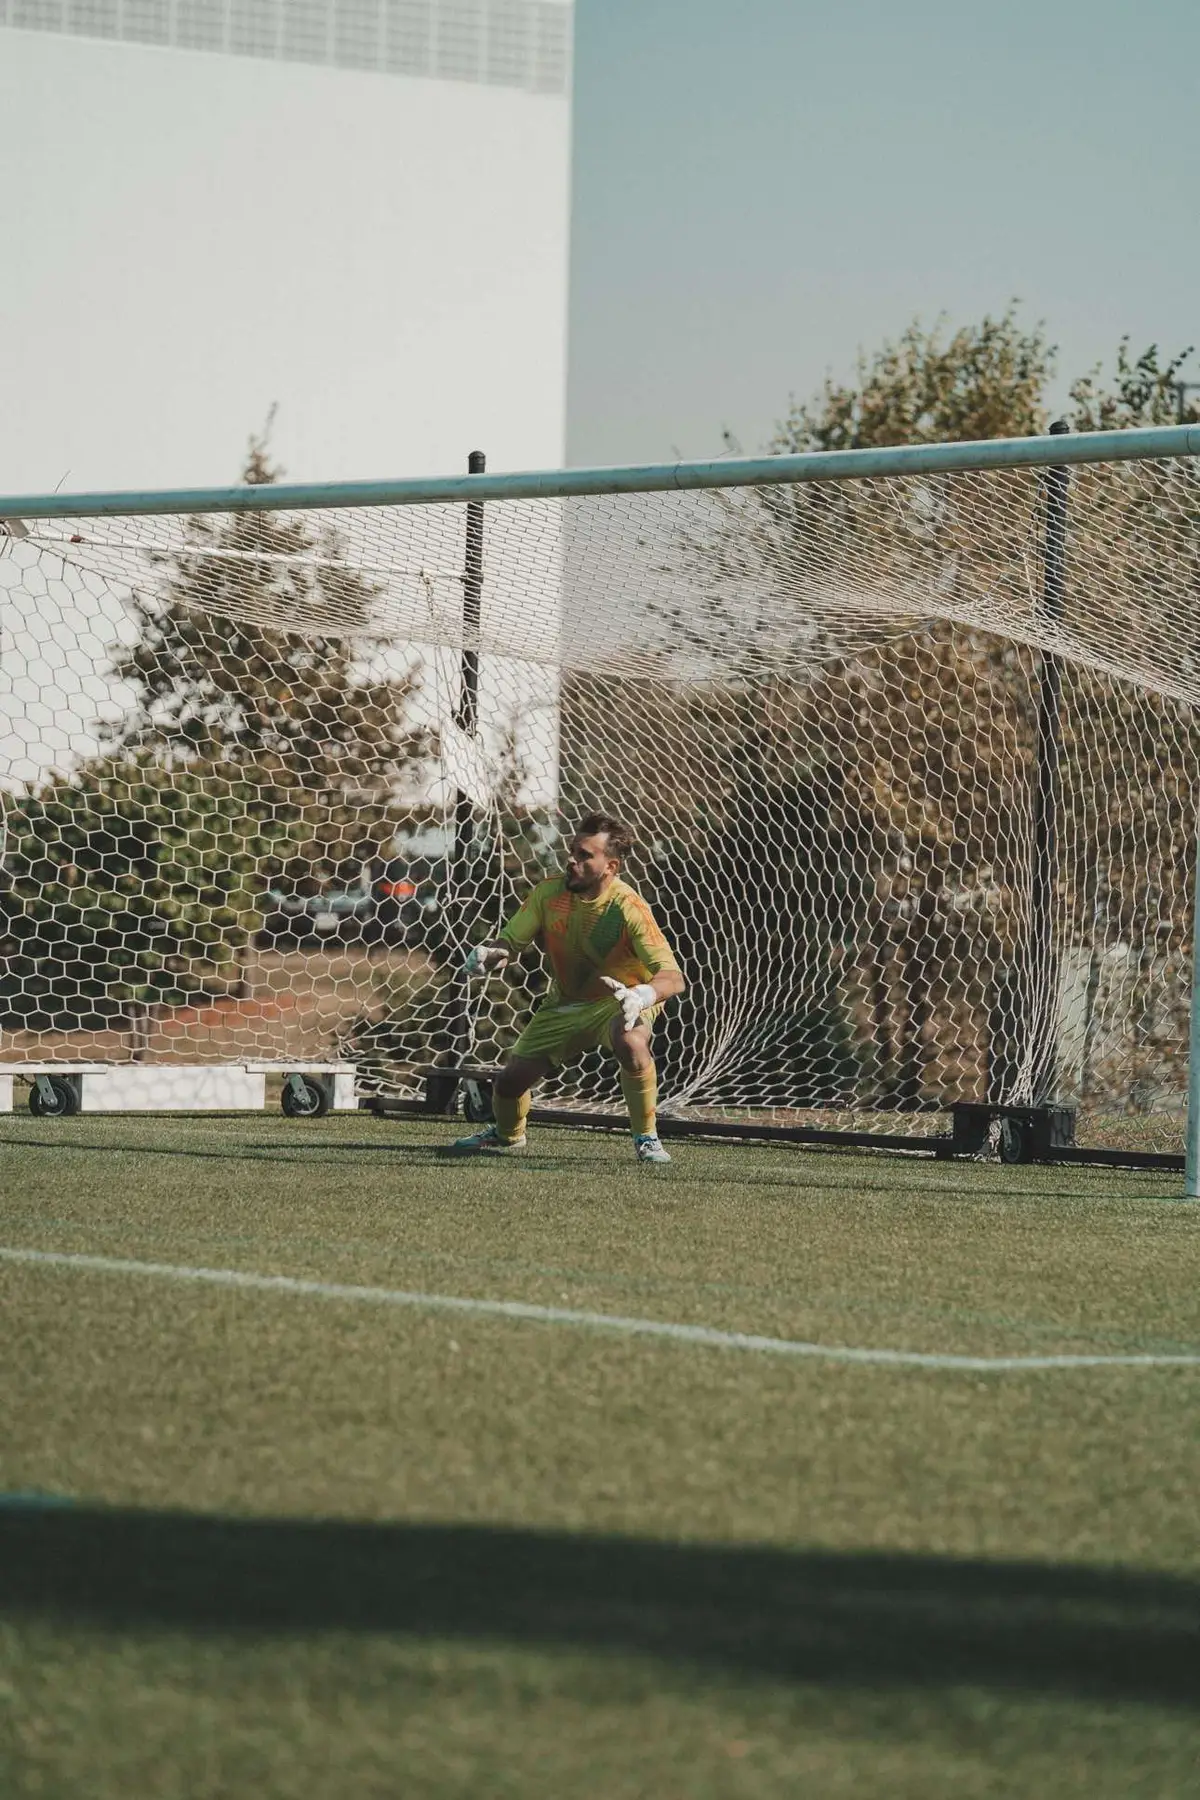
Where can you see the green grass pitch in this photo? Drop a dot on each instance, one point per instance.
(281, 1542)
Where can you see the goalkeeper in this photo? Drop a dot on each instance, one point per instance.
(613, 969)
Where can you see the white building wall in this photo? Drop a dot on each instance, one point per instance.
(354, 209)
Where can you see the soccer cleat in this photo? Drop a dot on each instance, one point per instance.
(649, 1149)
(489, 1139)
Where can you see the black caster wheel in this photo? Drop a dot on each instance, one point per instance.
(53, 1097)
(304, 1097)
(1013, 1141)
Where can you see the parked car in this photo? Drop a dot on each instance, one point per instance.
(408, 898)
(371, 902)
(318, 907)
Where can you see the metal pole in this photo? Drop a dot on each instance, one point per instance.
(468, 712)
(466, 717)
(652, 478)
(1191, 1184)
(1042, 1012)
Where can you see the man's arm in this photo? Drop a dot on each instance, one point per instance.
(649, 944)
(667, 983)
(486, 959)
(654, 953)
(521, 931)
(639, 999)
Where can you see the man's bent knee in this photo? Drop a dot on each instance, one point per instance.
(632, 1048)
(518, 1076)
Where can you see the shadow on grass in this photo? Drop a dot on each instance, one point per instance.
(431, 1155)
(840, 1620)
(813, 1176)
(919, 1186)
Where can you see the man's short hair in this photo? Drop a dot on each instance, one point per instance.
(619, 835)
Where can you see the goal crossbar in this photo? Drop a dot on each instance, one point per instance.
(1059, 451)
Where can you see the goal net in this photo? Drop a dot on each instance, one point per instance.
(912, 760)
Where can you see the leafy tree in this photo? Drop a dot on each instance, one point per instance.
(262, 744)
(128, 885)
(257, 654)
(886, 757)
(1142, 391)
(981, 381)
(990, 380)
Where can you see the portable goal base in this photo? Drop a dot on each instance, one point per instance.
(61, 1089)
(442, 1091)
(1026, 1134)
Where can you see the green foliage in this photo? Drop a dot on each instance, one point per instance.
(258, 650)
(890, 779)
(264, 741)
(127, 885)
(991, 380)
(1143, 391)
(981, 381)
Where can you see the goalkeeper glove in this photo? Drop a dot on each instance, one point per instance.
(485, 958)
(634, 1001)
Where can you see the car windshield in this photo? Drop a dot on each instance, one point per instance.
(412, 875)
(315, 887)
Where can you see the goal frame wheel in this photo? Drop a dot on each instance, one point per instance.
(54, 1097)
(477, 1102)
(305, 1097)
(1014, 1141)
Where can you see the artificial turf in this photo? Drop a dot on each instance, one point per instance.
(282, 1544)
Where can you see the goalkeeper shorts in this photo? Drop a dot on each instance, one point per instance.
(561, 1032)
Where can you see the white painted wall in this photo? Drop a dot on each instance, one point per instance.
(189, 238)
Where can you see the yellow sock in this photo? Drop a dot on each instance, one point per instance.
(641, 1095)
(510, 1116)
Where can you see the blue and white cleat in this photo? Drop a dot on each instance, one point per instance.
(649, 1149)
(489, 1139)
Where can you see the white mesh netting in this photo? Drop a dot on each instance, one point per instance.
(250, 811)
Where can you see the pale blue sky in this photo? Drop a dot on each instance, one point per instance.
(764, 186)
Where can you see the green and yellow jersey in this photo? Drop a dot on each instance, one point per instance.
(615, 934)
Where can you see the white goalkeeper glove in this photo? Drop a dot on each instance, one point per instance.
(486, 958)
(634, 1000)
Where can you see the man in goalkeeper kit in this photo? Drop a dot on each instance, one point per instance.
(612, 968)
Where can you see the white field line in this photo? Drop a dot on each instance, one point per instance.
(706, 1335)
